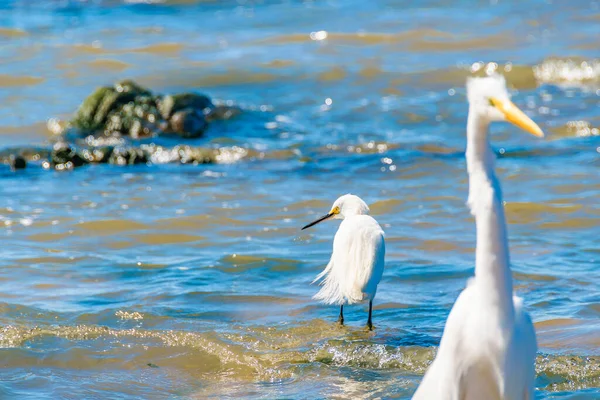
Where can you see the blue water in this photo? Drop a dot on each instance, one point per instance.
(168, 281)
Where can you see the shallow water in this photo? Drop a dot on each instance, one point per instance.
(194, 281)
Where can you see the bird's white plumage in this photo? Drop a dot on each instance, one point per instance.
(488, 346)
(480, 89)
(482, 355)
(357, 261)
(356, 265)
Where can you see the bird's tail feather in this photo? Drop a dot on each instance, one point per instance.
(323, 273)
(330, 293)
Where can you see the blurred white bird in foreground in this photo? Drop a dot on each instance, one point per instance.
(356, 264)
(488, 347)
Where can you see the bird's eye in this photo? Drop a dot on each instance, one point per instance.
(491, 102)
(336, 210)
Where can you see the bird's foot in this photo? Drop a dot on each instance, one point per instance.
(341, 321)
(370, 325)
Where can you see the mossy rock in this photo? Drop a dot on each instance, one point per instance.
(128, 156)
(130, 110)
(63, 156)
(111, 101)
(170, 104)
(129, 86)
(85, 115)
(97, 155)
(93, 113)
(188, 123)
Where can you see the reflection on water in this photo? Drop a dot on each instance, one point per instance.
(167, 280)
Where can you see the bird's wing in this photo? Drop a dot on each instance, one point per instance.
(519, 366)
(360, 249)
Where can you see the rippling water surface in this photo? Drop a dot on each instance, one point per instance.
(193, 281)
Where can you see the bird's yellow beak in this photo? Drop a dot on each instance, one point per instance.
(516, 116)
(334, 211)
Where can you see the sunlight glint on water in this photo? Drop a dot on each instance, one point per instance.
(170, 280)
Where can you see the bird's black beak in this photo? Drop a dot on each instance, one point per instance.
(323, 218)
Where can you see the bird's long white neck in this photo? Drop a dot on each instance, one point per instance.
(492, 264)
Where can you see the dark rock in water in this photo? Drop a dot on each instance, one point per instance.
(98, 155)
(102, 154)
(170, 104)
(137, 156)
(96, 110)
(64, 156)
(129, 86)
(111, 101)
(130, 110)
(188, 123)
(19, 157)
(136, 121)
(110, 115)
(17, 162)
(85, 115)
(128, 156)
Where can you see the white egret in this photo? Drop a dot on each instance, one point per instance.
(356, 265)
(488, 347)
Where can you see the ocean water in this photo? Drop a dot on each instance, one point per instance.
(182, 281)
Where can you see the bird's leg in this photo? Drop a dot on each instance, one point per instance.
(369, 322)
(341, 317)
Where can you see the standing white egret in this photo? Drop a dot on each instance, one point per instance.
(356, 264)
(488, 347)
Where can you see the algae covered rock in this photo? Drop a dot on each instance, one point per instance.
(95, 109)
(136, 119)
(130, 110)
(129, 86)
(128, 156)
(85, 116)
(103, 123)
(98, 155)
(170, 104)
(188, 123)
(63, 156)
